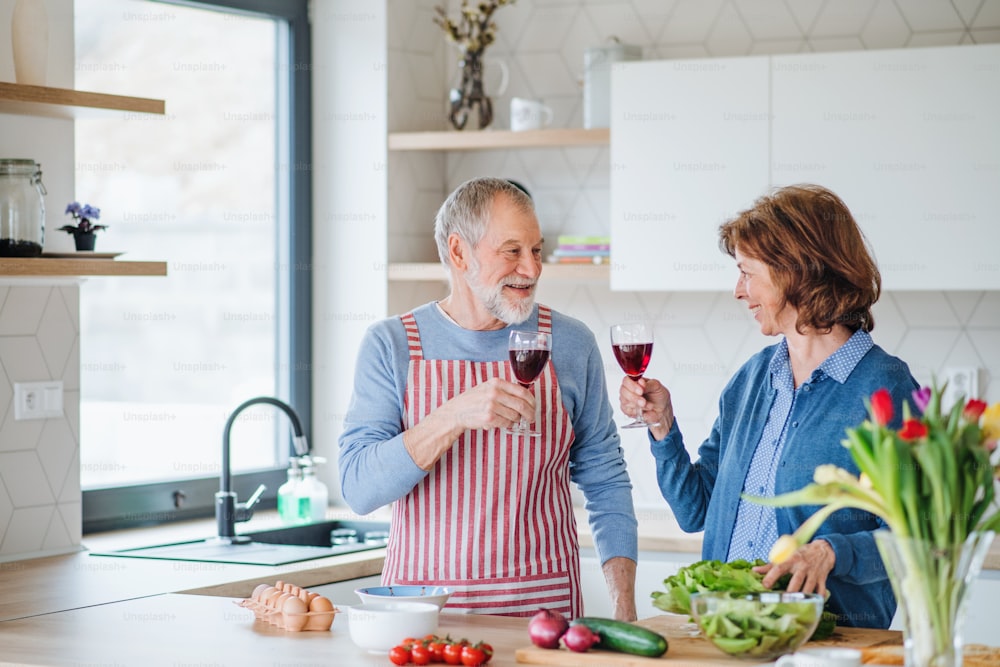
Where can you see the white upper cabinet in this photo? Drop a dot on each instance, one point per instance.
(689, 148)
(910, 139)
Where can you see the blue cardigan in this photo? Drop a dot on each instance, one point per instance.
(704, 495)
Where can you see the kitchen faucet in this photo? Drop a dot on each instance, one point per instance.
(227, 511)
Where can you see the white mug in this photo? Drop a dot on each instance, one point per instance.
(528, 114)
(821, 657)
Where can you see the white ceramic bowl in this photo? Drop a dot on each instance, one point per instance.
(434, 594)
(378, 626)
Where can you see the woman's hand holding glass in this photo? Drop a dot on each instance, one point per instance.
(649, 399)
(632, 344)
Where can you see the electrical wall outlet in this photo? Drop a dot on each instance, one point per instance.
(38, 400)
(963, 384)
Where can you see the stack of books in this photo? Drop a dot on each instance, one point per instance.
(582, 250)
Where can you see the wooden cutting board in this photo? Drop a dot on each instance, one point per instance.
(688, 648)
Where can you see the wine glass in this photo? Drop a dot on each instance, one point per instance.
(632, 344)
(529, 352)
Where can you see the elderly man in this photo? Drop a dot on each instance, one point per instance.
(486, 512)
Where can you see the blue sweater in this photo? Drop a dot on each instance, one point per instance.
(705, 494)
(376, 469)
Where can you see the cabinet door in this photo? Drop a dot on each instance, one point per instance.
(689, 149)
(910, 140)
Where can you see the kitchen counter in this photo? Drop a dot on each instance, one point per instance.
(59, 583)
(191, 629)
(72, 581)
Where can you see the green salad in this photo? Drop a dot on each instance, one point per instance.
(754, 628)
(733, 577)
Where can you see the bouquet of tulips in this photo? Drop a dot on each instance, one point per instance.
(933, 483)
(931, 480)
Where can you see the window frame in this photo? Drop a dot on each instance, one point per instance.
(128, 506)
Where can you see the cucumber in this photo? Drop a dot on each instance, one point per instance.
(624, 637)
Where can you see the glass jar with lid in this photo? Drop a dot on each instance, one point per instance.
(22, 208)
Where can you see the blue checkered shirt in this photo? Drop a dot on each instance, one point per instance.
(756, 526)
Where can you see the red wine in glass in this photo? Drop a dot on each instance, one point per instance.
(633, 358)
(632, 344)
(529, 352)
(528, 365)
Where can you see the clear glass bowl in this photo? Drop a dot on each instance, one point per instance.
(757, 626)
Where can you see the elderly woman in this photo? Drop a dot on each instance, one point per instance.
(806, 275)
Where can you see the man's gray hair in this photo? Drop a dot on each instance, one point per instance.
(466, 211)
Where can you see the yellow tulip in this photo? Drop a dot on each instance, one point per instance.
(830, 474)
(783, 549)
(991, 423)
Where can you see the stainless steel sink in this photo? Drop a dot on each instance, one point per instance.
(280, 546)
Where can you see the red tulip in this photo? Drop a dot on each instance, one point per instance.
(882, 407)
(913, 429)
(974, 409)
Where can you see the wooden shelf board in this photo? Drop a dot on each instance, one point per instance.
(498, 139)
(40, 267)
(433, 271)
(66, 103)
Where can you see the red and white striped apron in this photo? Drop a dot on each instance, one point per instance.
(493, 520)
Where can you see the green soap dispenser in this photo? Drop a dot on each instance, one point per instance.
(288, 498)
(312, 494)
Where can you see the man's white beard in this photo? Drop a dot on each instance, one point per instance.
(511, 311)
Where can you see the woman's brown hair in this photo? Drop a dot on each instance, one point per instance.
(817, 255)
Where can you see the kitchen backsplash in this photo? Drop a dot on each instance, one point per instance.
(701, 338)
(40, 500)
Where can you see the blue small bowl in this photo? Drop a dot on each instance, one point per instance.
(434, 594)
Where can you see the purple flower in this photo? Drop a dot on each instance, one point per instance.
(82, 214)
(922, 397)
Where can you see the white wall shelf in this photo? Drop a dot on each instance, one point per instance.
(498, 139)
(434, 272)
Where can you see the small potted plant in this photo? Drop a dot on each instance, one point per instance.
(84, 231)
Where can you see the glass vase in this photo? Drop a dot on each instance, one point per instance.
(468, 96)
(932, 585)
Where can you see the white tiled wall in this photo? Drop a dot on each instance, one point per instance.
(702, 338)
(40, 501)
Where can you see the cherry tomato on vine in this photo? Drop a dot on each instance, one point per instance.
(473, 656)
(436, 647)
(453, 653)
(420, 654)
(399, 655)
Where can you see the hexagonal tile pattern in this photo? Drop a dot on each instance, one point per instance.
(702, 338)
(26, 530)
(39, 459)
(22, 310)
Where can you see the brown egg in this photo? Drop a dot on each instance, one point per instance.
(320, 603)
(255, 596)
(294, 614)
(307, 596)
(271, 597)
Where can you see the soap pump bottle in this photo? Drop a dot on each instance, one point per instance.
(288, 510)
(312, 494)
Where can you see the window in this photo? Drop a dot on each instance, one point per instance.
(219, 188)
